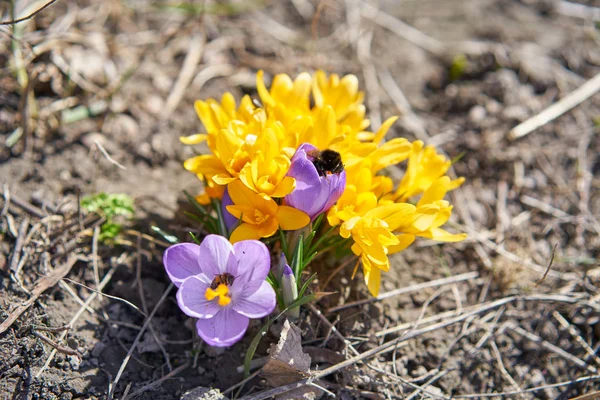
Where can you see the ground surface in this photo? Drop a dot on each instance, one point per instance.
(122, 76)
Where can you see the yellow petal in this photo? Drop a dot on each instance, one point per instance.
(372, 279)
(383, 129)
(291, 218)
(244, 232)
(405, 241)
(445, 236)
(395, 215)
(262, 90)
(208, 165)
(193, 139)
(285, 187)
(242, 195)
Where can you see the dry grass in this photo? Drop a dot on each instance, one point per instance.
(95, 95)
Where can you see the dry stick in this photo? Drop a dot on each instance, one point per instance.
(113, 385)
(549, 346)
(565, 324)
(79, 313)
(363, 52)
(577, 10)
(40, 287)
(545, 207)
(408, 289)
(30, 208)
(185, 76)
(107, 156)
(549, 265)
(505, 373)
(578, 96)
(515, 258)
(56, 346)
(14, 261)
(33, 14)
(410, 120)
(377, 350)
(157, 382)
(403, 30)
(138, 278)
(534, 389)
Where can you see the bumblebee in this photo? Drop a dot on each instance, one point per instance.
(225, 279)
(327, 162)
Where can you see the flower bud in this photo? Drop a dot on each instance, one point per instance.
(320, 180)
(289, 290)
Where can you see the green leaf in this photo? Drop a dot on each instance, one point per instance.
(169, 238)
(305, 285)
(297, 258)
(220, 220)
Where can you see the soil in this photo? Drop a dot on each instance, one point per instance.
(101, 112)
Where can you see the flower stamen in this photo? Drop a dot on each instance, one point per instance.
(222, 292)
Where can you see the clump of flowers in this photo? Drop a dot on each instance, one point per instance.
(292, 175)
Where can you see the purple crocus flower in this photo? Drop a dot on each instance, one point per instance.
(221, 284)
(230, 220)
(318, 185)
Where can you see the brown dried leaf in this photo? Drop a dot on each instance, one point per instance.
(288, 364)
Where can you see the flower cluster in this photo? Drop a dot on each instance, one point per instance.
(304, 150)
(297, 170)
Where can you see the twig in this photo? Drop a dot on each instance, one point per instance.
(363, 52)
(185, 76)
(113, 384)
(30, 208)
(79, 313)
(377, 350)
(549, 265)
(138, 278)
(56, 346)
(107, 156)
(130, 304)
(409, 119)
(507, 376)
(14, 261)
(565, 324)
(33, 14)
(545, 207)
(576, 10)
(157, 382)
(549, 346)
(403, 30)
(40, 287)
(534, 389)
(578, 96)
(408, 289)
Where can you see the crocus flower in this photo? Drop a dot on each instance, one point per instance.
(230, 220)
(314, 193)
(221, 284)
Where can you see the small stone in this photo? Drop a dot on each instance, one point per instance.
(477, 114)
(98, 348)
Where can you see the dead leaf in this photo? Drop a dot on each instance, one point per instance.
(288, 364)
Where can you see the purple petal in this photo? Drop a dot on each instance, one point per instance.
(230, 220)
(181, 262)
(225, 329)
(253, 260)
(216, 256)
(192, 301)
(262, 302)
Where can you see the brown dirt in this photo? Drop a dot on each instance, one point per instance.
(500, 62)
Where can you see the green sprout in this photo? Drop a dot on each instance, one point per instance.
(458, 67)
(109, 206)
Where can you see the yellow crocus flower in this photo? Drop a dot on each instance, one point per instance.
(260, 216)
